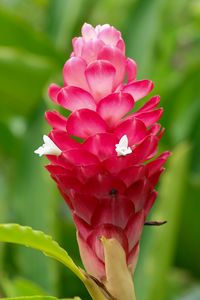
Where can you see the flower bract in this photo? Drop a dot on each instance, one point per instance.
(103, 157)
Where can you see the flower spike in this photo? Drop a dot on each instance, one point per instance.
(109, 167)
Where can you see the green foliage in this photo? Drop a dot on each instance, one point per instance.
(19, 287)
(32, 73)
(19, 33)
(32, 298)
(26, 236)
(60, 27)
(160, 243)
(30, 188)
(142, 35)
(14, 233)
(38, 298)
(35, 40)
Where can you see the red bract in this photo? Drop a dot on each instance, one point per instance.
(106, 179)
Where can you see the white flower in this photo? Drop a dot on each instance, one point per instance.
(48, 148)
(122, 148)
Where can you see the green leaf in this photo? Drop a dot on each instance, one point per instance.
(100, 14)
(142, 33)
(188, 256)
(192, 294)
(19, 34)
(159, 247)
(24, 235)
(38, 298)
(63, 18)
(19, 287)
(23, 76)
(184, 112)
(27, 186)
(31, 298)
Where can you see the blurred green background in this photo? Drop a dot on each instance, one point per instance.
(163, 36)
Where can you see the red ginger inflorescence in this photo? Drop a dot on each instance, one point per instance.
(108, 178)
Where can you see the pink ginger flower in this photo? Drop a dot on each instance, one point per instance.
(108, 176)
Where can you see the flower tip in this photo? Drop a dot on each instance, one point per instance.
(122, 148)
(38, 151)
(103, 239)
(46, 139)
(88, 31)
(48, 148)
(151, 84)
(85, 24)
(167, 154)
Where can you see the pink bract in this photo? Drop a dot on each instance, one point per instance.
(109, 194)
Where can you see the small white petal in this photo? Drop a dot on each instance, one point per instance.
(124, 141)
(48, 148)
(122, 148)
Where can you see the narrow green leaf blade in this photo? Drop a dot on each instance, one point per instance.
(31, 298)
(19, 287)
(38, 298)
(142, 35)
(160, 242)
(64, 16)
(23, 76)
